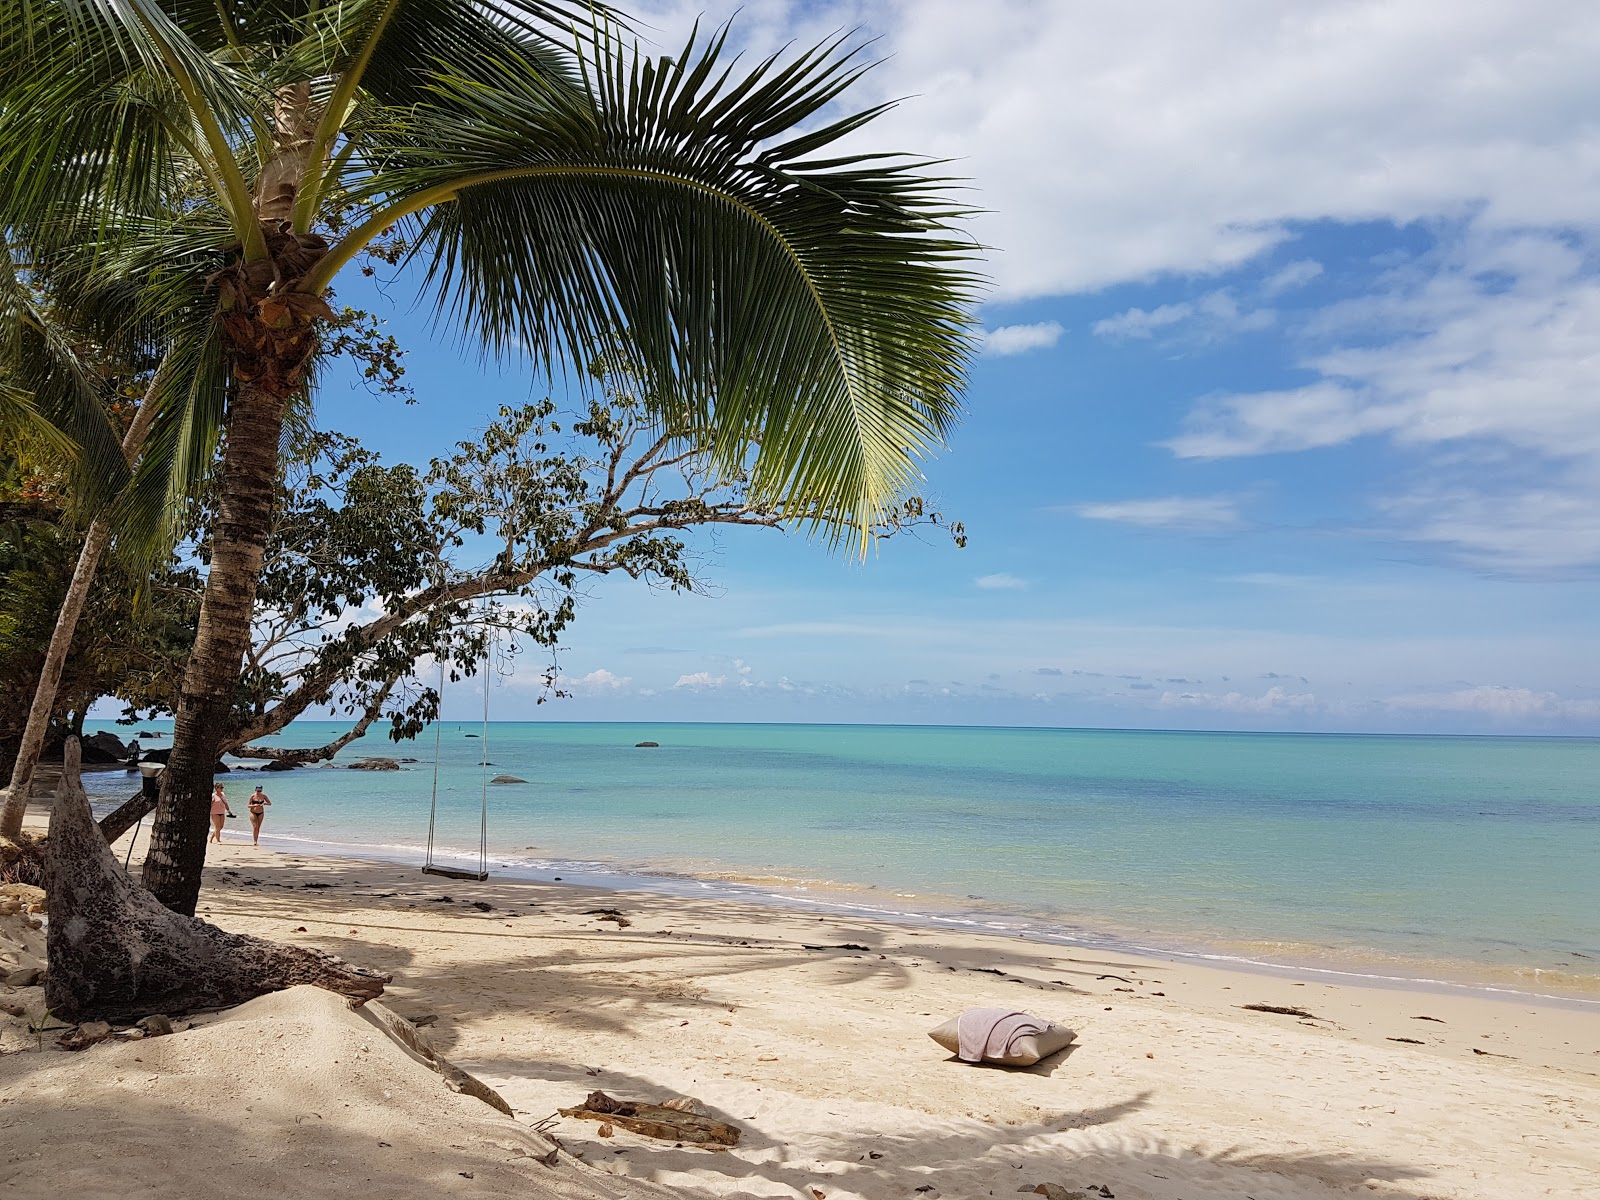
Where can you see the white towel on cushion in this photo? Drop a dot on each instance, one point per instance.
(988, 1032)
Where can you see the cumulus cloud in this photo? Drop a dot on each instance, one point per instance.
(1000, 582)
(701, 681)
(1214, 317)
(1048, 671)
(1019, 339)
(1198, 514)
(599, 680)
(1273, 700)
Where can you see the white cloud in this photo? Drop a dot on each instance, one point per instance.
(1198, 514)
(1110, 143)
(598, 681)
(701, 681)
(1495, 341)
(1510, 703)
(1000, 582)
(1320, 414)
(1212, 318)
(1291, 276)
(1019, 339)
(1273, 700)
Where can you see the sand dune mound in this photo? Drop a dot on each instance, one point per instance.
(293, 1094)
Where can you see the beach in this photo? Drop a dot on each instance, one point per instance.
(808, 1033)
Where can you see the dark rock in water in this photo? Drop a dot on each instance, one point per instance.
(275, 765)
(375, 764)
(472, 735)
(406, 760)
(646, 745)
(222, 768)
(108, 742)
(152, 733)
(507, 779)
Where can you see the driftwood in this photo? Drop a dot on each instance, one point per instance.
(666, 1122)
(1281, 1011)
(117, 954)
(410, 1038)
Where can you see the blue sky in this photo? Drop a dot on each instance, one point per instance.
(1288, 416)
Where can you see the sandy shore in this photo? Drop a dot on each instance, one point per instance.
(809, 1033)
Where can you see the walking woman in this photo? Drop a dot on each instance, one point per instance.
(219, 813)
(258, 809)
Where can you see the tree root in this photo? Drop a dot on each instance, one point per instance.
(117, 954)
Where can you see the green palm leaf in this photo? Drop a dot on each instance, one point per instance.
(809, 309)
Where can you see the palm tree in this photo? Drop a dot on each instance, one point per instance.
(54, 396)
(805, 308)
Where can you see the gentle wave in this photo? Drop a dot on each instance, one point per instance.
(761, 890)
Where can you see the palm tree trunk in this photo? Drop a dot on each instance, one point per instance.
(44, 696)
(205, 707)
(271, 331)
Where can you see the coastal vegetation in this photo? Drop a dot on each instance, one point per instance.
(180, 187)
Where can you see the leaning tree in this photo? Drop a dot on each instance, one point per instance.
(802, 308)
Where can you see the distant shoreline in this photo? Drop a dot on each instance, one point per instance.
(110, 725)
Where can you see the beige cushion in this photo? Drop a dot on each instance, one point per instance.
(1026, 1050)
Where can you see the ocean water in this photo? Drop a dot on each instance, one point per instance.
(1475, 860)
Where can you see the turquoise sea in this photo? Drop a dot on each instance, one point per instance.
(1456, 859)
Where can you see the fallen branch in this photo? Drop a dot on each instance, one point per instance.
(1279, 1009)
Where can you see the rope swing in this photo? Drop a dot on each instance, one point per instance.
(428, 867)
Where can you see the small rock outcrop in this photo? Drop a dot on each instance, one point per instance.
(375, 764)
(507, 779)
(647, 745)
(102, 749)
(279, 765)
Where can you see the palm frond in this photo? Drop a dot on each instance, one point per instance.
(191, 394)
(96, 94)
(51, 392)
(807, 307)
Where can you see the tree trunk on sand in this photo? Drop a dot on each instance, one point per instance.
(117, 954)
(271, 334)
(44, 695)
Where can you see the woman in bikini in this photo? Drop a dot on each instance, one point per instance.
(220, 812)
(258, 809)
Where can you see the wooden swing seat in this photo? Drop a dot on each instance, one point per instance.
(450, 873)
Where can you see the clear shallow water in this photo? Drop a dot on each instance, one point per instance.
(1470, 859)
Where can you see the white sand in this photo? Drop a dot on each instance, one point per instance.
(819, 1056)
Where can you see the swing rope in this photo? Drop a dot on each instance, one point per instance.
(428, 867)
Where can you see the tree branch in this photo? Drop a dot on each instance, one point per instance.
(323, 753)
